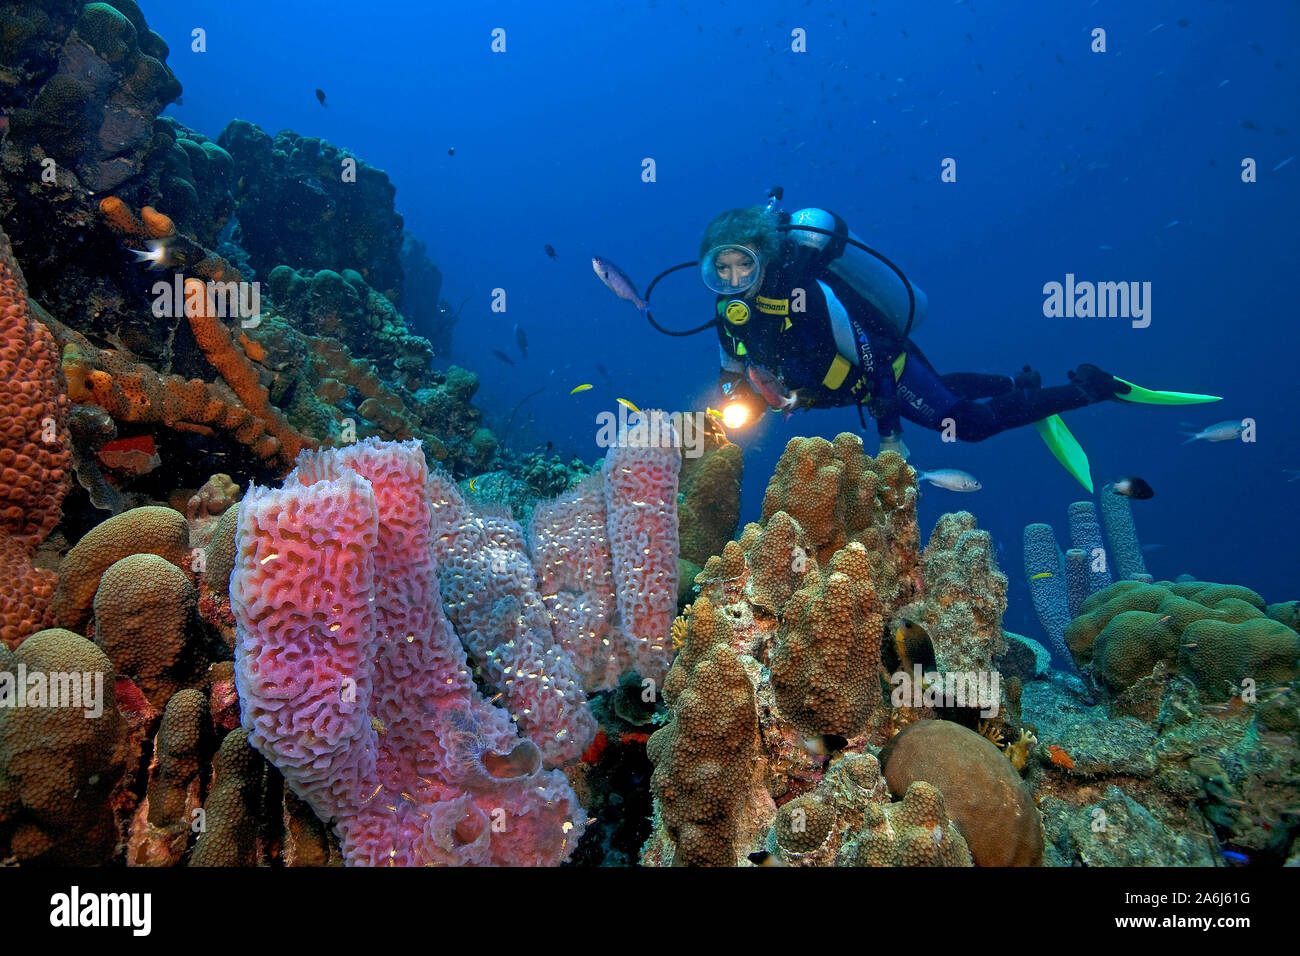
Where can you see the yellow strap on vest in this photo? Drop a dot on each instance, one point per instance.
(836, 374)
(898, 366)
(740, 348)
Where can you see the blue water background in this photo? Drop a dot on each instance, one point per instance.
(1115, 166)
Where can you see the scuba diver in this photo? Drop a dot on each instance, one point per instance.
(810, 317)
(808, 320)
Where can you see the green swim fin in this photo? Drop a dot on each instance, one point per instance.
(1149, 396)
(1066, 448)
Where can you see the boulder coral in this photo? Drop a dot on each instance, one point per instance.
(980, 788)
(1217, 635)
(48, 753)
(148, 530)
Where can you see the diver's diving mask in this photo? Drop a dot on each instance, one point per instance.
(730, 269)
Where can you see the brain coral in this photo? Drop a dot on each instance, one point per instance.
(981, 790)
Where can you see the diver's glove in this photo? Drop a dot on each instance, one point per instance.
(895, 444)
(1096, 384)
(1027, 378)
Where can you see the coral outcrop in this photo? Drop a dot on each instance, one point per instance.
(981, 789)
(300, 204)
(35, 453)
(1217, 635)
(776, 697)
(57, 746)
(95, 112)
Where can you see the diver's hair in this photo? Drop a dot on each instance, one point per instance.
(751, 226)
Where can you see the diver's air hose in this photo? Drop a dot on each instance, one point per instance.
(651, 319)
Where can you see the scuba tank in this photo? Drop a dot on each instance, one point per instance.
(870, 277)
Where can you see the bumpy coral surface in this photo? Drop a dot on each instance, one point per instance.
(289, 185)
(1216, 634)
(782, 649)
(48, 752)
(826, 662)
(145, 622)
(710, 505)
(149, 530)
(34, 452)
(710, 797)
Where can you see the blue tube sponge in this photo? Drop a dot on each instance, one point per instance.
(1045, 575)
(1085, 534)
(1076, 579)
(1125, 552)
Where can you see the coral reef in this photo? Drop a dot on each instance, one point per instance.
(94, 114)
(150, 530)
(710, 505)
(343, 307)
(298, 205)
(162, 823)
(775, 697)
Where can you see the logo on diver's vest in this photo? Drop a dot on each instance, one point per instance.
(773, 306)
(737, 312)
(915, 401)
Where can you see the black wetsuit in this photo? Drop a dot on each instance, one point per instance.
(839, 349)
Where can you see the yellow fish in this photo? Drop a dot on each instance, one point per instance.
(580, 388)
(626, 404)
(471, 483)
(1040, 574)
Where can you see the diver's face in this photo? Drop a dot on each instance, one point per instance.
(735, 268)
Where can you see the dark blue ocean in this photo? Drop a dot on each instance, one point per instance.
(1123, 165)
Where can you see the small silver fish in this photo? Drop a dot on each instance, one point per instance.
(952, 479)
(617, 281)
(1222, 431)
(1283, 163)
